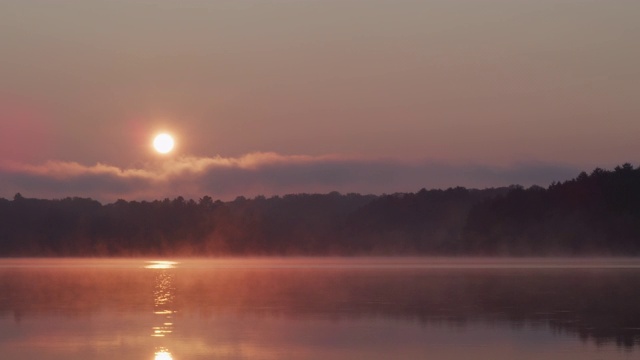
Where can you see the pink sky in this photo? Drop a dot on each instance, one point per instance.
(527, 90)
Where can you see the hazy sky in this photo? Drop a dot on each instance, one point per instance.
(277, 96)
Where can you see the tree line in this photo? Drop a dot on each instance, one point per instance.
(592, 214)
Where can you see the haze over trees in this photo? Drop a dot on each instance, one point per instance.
(593, 214)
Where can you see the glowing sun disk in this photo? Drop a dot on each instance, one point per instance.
(163, 143)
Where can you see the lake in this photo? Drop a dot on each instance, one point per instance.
(324, 308)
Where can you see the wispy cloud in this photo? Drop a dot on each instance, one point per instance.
(257, 173)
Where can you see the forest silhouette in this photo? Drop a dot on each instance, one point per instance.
(592, 214)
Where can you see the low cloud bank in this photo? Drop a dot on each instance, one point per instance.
(261, 174)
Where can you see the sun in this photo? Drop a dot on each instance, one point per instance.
(163, 143)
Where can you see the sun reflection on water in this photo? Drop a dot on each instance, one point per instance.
(161, 264)
(163, 305)
(163, 354)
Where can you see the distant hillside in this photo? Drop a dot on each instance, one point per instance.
(593, 214)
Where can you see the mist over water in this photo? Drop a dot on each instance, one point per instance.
(319, 308)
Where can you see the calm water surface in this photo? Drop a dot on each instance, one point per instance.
(384, 308)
